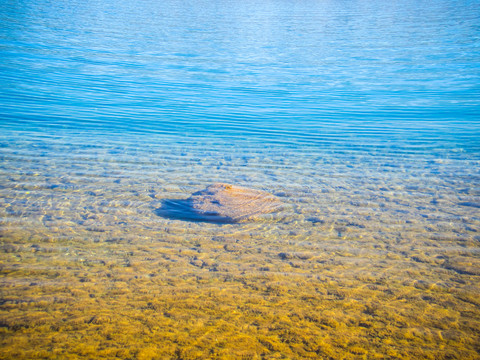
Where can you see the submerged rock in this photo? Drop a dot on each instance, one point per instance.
(221, 203)
(229, 203)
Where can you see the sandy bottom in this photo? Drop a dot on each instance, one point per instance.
(374, 255)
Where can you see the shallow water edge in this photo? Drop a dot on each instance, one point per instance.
(368, 259)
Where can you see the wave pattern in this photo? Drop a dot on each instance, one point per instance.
(299, 74)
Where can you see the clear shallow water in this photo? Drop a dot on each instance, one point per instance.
(362, 117)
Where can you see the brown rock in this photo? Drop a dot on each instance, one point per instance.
(230, 203)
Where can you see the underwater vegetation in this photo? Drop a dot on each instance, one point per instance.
(229, 297)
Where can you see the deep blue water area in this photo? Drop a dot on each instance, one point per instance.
(323, 73)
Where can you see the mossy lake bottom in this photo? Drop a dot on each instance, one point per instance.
(373, 255)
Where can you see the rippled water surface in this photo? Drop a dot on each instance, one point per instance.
(361, 117)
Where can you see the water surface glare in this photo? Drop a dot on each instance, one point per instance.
(360, 117)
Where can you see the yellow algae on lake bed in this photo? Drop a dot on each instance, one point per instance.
(148, 299)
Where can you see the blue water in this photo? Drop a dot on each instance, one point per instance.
(347, 74)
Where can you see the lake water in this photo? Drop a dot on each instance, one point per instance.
(362, 117)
